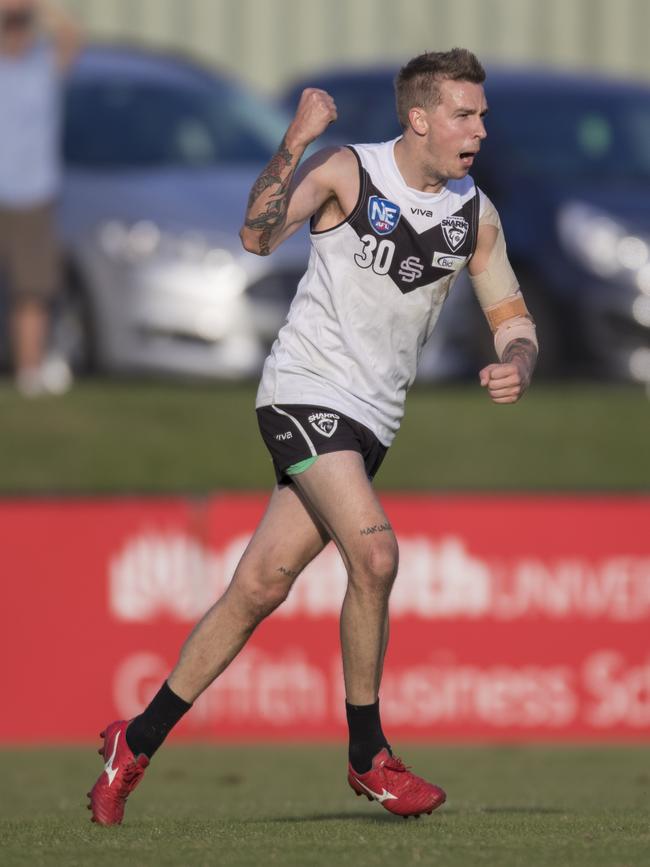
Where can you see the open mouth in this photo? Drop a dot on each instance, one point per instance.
(467, 159)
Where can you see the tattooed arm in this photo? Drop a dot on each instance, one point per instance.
(280, 199)
(523, 354)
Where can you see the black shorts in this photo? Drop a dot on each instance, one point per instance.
(296, 432)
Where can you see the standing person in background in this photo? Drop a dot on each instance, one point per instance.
(38, 41)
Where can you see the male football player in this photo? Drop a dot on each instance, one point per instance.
(392, 225)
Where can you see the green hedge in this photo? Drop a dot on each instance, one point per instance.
(125, 436)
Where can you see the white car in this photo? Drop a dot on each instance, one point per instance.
(160, 155)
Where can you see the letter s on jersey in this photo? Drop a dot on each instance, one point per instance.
(411, 269)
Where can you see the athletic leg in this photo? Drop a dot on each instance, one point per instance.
(262, 580)
(271, 563)
(338, 491)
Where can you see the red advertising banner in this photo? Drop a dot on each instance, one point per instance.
(512, 618)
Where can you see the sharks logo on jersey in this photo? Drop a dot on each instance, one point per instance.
(383, 215)
(455, 230)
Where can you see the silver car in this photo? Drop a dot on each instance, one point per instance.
(160, 155)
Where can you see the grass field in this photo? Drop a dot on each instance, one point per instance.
(286, 806)
(116, 436)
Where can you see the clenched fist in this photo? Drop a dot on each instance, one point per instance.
(505, 382)
(316, 111)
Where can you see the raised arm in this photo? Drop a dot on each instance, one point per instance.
(513, 328)
(281, 198)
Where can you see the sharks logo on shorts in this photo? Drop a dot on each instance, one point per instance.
(455, 230)
(383, 215)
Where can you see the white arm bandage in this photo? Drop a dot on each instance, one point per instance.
(498, 292)
(510, 320)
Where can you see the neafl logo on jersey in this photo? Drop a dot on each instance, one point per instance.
(383, 215)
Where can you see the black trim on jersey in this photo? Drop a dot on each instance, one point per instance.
(418, 247)
(363, 180)
(475, 218)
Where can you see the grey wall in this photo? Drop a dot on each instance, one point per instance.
(270, 41)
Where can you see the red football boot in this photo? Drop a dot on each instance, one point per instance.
(122, 773)
(399, 791)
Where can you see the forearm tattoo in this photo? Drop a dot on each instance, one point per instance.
(377, 528)
(523, 353)
(273, 217)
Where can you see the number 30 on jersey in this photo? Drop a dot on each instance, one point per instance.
(375, 254)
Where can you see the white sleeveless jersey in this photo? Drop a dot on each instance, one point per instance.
(371, 296)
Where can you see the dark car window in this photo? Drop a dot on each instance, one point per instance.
(570, 135)
(125, 124)
(365, 108)
(367, 114)
(375, 112)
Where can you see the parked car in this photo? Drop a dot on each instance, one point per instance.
(160, 155)
(567, 164)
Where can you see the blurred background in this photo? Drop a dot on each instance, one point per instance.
(521, 527)
(172, 109)
(268, 44)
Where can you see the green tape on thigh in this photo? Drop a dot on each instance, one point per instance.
(301, 466)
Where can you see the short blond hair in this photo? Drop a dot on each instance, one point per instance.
(418, 83)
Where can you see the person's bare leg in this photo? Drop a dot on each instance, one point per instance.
(338, 491)
(384, 647)
(286, 540)
(29, 322)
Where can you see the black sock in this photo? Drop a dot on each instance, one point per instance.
(147, 731)
(366, 736)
